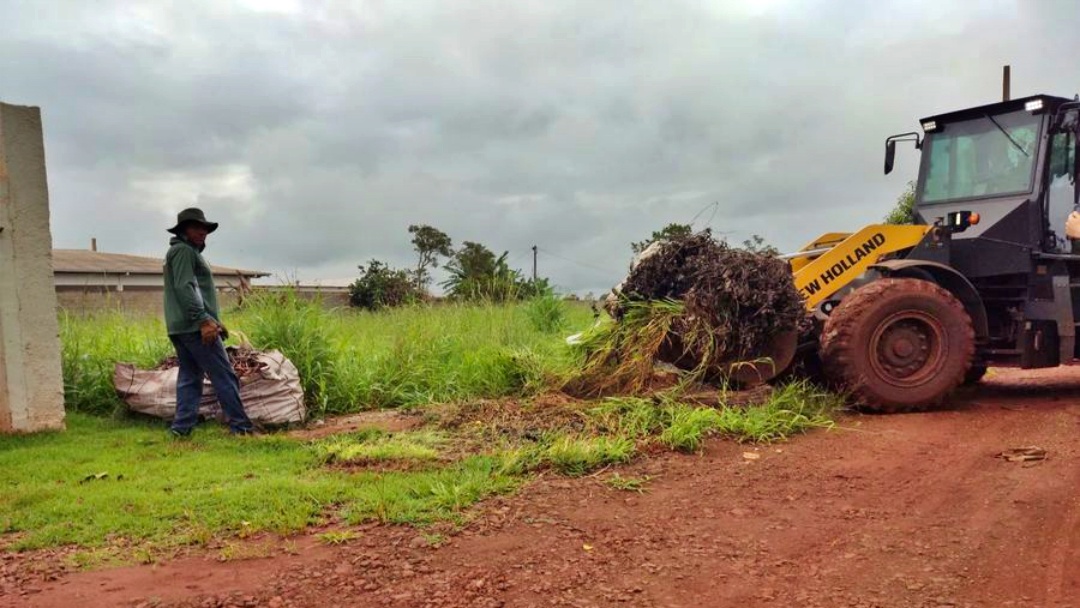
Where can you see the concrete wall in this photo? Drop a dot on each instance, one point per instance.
(329, 297)
(31, 382)
(132, 300)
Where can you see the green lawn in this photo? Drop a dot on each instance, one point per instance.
(104, 481)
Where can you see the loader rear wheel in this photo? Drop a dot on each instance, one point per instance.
(898, 344)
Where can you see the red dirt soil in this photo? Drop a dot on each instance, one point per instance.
(889, 511)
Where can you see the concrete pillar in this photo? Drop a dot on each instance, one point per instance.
(31, 381)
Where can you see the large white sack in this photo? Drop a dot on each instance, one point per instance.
(271, 395)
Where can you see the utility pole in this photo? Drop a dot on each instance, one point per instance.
(534, 263)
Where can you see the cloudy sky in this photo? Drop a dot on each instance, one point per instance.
(316, 132)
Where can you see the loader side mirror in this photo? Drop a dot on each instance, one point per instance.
(890, 155)
(890, 147)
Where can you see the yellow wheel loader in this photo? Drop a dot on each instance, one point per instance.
(986, 275)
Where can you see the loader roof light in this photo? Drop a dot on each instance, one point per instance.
(974, 218)
(1034, 105)
(930, 125)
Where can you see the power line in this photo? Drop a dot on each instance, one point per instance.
(713, 205)
(712, 216)
(606, 271)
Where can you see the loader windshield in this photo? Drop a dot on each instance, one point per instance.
(982, 157)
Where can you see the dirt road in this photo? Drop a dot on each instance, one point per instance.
(889, 511)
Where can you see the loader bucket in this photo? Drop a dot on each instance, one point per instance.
(768, 365)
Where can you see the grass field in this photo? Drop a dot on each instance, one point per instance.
(119, 488)
(350, 360)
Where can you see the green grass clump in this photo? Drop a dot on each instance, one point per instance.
(382, 447)
(575, 456)
(628, 484)
(429, 495)
(634, 417)
(790, 409)
(686, 427)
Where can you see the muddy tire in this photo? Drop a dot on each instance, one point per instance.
(898, 345)
(975, 374)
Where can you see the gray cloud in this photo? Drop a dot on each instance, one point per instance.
(318, 135)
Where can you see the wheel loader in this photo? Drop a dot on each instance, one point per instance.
(985, 276)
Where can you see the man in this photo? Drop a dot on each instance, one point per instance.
(194, 325)
(1072, 231)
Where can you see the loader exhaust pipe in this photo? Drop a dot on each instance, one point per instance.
(1006, 78)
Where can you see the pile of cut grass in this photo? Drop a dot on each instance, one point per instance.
(698, 304)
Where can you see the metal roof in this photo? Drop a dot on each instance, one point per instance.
(96, 262)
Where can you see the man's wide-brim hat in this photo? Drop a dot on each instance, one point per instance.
(192, 215)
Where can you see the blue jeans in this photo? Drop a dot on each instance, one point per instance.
(198, 360)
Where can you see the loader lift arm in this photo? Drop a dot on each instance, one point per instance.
(821, 277)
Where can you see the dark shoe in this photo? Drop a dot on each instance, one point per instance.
(179, 435)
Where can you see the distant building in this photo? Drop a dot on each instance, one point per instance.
(89, 280)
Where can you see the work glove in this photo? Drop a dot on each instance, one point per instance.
(209, 330)
(1072, 226)
(223, 331)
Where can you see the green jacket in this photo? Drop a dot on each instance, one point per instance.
(190, 297)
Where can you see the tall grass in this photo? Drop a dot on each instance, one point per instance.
(93, 344)
(352, 360)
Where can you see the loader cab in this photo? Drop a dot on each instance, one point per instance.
(1014, 165)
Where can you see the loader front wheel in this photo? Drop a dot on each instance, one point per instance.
(898, 344)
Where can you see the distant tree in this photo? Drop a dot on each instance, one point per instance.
(381, 286)
(430, 243)
(667, 233)
(473, 260)
(477, 274)
(904, 210)
(756, 244)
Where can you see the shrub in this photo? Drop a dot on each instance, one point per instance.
(904, 210)
(381, 286)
